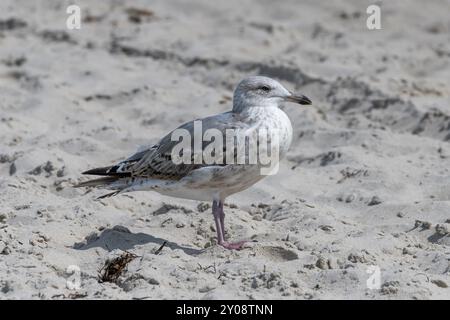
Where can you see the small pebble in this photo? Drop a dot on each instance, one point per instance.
(350, 198)
(12, 169)
(374, 201)
(440, 283)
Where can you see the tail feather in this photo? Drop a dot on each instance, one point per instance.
(107, 171)
(97, 182)
(112, 179)
(109, 195)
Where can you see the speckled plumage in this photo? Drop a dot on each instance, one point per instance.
(255, 106)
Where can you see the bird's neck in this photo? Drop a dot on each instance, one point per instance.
(259, 114)
(245, 107)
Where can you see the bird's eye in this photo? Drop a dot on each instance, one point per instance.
(265, 88)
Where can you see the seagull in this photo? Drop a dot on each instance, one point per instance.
(256, 105)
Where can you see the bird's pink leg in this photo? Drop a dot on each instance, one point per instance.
(219, 218)
(222, 218)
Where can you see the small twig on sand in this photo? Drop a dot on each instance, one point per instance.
(213, 267)
(160, 248)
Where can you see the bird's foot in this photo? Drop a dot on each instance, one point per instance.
(233, 245)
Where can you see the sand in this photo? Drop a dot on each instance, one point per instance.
(365, 183)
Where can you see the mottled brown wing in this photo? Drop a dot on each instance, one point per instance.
(157, 161)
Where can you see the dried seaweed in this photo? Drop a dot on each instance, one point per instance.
(112, 269)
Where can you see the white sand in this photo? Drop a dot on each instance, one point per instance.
(380, 126)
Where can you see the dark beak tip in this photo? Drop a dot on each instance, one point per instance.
(300, 99)
(304, 100)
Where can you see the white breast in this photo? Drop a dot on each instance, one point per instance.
(275, 120)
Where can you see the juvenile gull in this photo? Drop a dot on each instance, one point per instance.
(256, 102)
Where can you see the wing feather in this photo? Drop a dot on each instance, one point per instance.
(158, 163)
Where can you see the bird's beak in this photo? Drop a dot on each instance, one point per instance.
(300, 99)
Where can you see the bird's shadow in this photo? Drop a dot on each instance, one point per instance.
(120, 237)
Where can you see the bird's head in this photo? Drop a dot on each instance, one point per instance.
(258, 91)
